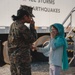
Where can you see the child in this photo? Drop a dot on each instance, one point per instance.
(56, 50)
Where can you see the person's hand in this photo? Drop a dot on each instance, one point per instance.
(37, 48)
(32, 21)
(33, 48)
(52, 35)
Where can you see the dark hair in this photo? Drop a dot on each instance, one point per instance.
(20, 14)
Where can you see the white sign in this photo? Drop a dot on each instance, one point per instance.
(46, 12)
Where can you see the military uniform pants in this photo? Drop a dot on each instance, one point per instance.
(20, 64)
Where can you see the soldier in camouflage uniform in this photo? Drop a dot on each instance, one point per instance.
(32, 27)
(20, 40)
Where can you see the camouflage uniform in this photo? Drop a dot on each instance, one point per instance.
(19, 43)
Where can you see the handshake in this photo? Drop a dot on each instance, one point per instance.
(34, 48)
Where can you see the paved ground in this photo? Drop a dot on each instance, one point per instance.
(37, 69)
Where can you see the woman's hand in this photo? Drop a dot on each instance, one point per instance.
(32, 21)
(52, 35)
(33, 48)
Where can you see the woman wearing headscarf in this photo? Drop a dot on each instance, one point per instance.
(56, 49)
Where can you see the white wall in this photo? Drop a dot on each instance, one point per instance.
(52, 10)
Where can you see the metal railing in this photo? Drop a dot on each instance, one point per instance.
(69, 15)
(70, 31)
(70, 23)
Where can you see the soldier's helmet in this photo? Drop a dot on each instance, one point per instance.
(29, 9)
